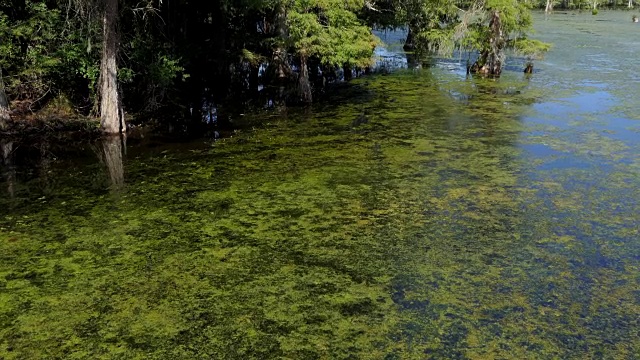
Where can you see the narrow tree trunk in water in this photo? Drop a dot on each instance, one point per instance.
(4, 105)
(549, 7)
(304, 86)
(111, 119)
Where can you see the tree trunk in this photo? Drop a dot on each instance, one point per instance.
(490, 61)
(549, 7)
(304, 86)
(111, 117)
(412, 61)
(4, 105)
(630, 6)
(279, 56)
(347, 72)
(222, 79)
(408, 43)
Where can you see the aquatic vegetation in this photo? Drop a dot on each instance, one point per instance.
(427, 216)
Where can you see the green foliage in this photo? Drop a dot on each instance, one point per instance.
(80, 64)
(251, 57)
(45, 54)
(171, 53)
(531, 48)
(515, 20)
(29, 50)
(445, 26)
(330, 31)
(166, 69)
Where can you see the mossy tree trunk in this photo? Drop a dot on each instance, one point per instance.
(4, 105)
(111, 119)
(491, 58)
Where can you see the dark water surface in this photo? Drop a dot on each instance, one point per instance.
(427, 216)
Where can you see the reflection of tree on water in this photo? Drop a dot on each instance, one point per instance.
(44, 167)
(111, 155)
(8, 169)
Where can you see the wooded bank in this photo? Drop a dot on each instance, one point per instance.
(165, 58)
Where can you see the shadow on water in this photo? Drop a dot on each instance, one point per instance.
(9, 174)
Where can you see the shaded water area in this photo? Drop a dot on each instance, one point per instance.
(418, 215)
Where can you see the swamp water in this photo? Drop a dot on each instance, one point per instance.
(419, 215)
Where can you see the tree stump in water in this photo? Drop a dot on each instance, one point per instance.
(528, 69)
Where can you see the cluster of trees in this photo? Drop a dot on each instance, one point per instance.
(146, 56)
(549, 5)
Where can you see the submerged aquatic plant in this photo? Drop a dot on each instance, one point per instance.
(383, 226)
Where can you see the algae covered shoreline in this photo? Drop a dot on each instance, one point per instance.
(409, 234)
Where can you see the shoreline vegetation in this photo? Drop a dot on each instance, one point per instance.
(84, 67)
(178, 60)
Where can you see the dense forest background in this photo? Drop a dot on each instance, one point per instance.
(174, 58)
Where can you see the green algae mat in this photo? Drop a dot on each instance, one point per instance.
(427, 216)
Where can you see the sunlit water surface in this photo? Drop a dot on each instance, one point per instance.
(418, 215)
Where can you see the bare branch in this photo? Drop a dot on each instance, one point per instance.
(370, 6)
